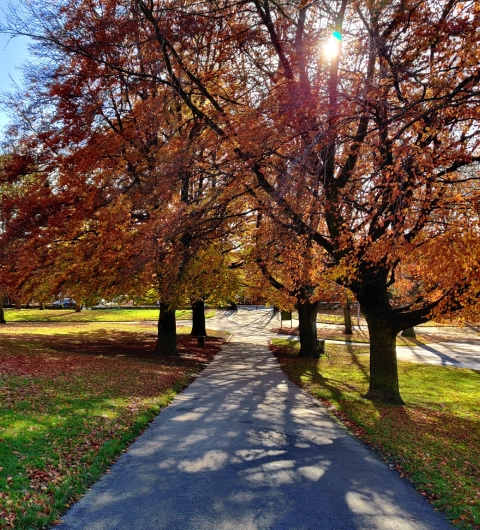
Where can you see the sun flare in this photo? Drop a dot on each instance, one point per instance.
(331, 48)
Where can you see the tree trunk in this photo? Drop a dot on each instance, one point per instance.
(383, 360)
(198, 319)
(78, 308)
(167, 331)
(41, 306)
(409, 332)
(307, 326)
(347, 317)
(18, 304)
(2, 314)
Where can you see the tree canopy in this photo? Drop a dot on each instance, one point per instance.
(188, 118)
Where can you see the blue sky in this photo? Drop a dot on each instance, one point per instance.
(13, 53)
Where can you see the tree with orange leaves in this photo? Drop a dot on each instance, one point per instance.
(368, 154)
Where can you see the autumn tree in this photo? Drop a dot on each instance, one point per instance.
(368, 154)
(122, 159)
(382, 178)
(295, 274)
(208, 277)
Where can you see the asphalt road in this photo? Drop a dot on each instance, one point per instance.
(243, 448)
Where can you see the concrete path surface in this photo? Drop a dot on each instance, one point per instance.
(458, 354)
(244, 448)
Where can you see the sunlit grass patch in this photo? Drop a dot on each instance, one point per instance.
(97, 315)
(70, 403)
(434, 439)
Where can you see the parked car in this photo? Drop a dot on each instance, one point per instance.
(66, 303)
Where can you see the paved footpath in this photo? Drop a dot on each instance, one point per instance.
(244, 448)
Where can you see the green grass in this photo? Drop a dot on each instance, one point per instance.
(434, 439)
(72, 397)
(330, 318)
(97, 315)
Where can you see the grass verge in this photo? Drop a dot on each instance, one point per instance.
(434, 439)
(72, 398)
(97, 315)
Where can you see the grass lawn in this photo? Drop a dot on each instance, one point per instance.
(434, 439)
(72, 397)
(96, 315)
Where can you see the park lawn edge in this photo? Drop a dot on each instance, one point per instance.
(112, 449)
(74, 488)
(22, 504)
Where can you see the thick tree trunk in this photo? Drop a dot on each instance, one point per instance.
(167, 331)
(198, 319)
(347, 317)
(41, 306)
(18, 304)
(409, 332)
(2, 315)
(383, 360)
(307, 326)
(78, 308)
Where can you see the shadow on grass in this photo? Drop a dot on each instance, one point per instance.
(355, 360)
(437, 450)
(313, 372)
(409, 341)
(105, 341)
